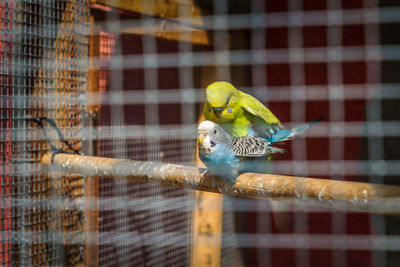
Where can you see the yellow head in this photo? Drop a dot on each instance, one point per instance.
(223, 101)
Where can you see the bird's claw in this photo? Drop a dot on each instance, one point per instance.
(203, 174)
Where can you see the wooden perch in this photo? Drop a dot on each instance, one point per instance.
(312, 191)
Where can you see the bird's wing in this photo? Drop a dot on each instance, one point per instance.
(256, 108)
(252, 147)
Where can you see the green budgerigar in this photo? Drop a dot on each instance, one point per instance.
(240, 114)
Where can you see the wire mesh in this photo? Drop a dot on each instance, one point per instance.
(113, 121)
(42, 74)
(303, 59)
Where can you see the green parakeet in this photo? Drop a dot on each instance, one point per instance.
(238, 113)
(241, 114)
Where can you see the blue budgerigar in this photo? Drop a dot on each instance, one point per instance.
(228, 156)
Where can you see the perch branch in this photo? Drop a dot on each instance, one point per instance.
(312, 191)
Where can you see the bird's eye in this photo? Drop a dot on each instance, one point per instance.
(229, 110)
(215, 131)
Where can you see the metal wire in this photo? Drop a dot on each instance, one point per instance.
(303, 59)
(32, 33)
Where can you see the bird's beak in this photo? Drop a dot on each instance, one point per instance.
(201, 139)
(202, 136)
(218, 111)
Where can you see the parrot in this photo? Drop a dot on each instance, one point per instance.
(228, 156)
(241, 114)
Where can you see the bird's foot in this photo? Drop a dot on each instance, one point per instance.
(203, 174)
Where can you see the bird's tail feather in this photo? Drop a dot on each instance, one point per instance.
(302, 128)
(284, 135)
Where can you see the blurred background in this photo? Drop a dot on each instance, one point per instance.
(126, 79)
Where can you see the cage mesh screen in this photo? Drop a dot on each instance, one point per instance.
(43, 56)
(303, 59)
(140, 230)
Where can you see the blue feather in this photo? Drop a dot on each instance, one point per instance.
(283, 134)
(222, 163)
(280, 135)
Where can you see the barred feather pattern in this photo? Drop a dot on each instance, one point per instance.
(249, 146)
